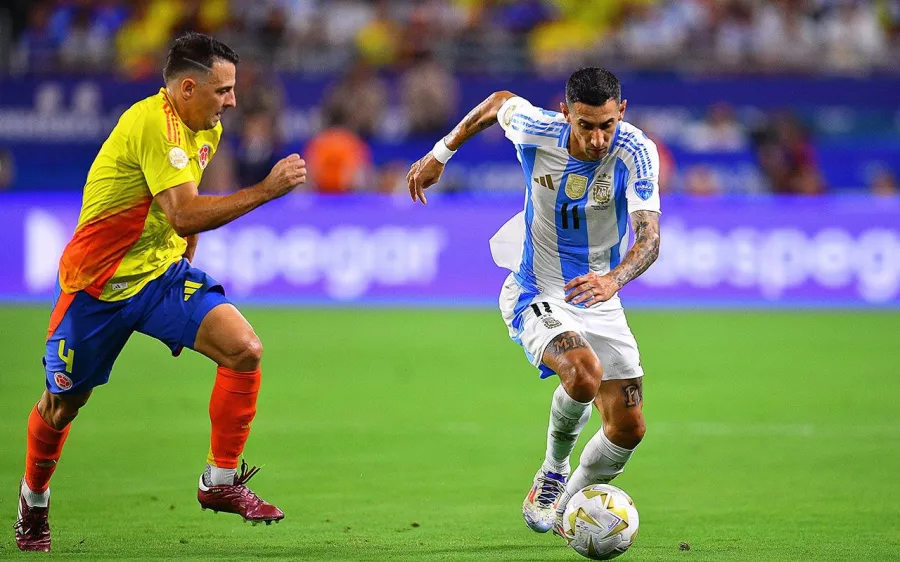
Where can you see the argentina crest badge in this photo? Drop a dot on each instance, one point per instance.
(602, 190)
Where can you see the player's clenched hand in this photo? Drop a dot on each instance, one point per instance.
(287, 174)
(422, 175)
(591, 289)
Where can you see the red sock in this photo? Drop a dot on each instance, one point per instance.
(43, 450)
(231, 411)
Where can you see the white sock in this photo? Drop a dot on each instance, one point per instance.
(215, 476)
(567, 418)
(601, 461)
(35, 499)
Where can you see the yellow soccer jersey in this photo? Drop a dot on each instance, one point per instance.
(124, 239)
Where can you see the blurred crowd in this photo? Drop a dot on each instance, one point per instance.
(426, 43)
(780, 144)
(835, 36)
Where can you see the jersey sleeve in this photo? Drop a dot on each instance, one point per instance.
(642, 189)
(526, 124)
(160, 152)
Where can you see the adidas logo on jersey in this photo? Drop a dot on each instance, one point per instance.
(190, 287)
(546, 181)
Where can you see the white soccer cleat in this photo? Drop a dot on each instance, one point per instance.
(539, 507)
(559, 528)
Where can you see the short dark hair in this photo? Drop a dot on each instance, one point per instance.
(593, 86)
(196, 51)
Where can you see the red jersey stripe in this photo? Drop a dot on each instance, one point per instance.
(98, 247)
(169, 133)
(172, 121)
(59, 311)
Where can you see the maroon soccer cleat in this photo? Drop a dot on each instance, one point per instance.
(32, 528)
(238, 498)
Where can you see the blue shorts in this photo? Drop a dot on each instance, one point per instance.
(86, 335)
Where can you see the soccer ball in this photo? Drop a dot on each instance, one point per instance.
(600, 522)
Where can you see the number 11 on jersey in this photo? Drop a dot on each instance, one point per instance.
(564, 214)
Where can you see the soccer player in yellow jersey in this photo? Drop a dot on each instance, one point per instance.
(127, 269)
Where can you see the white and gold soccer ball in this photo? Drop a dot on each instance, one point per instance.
(600, 522)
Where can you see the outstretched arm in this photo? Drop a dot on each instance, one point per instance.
(428, 169)
(480, 118)
(191, 213)
(594, 288)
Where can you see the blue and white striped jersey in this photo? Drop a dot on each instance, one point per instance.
(575, 218)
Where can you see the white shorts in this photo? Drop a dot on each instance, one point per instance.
(534, 321)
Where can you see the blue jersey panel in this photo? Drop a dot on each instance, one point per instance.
(621, 183)
(81, 351)
(174, 306)
(525, 276)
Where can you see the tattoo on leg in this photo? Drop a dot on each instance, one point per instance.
(633, 395)
(567, 341)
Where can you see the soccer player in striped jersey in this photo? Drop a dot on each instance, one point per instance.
(127, 269)
(586, 172)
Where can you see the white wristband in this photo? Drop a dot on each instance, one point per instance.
(441, 153)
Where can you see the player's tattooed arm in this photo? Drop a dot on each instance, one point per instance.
(427, 170)
(480, 118)
(594, 288)
(645, 249)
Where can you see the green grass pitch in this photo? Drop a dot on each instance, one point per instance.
(414, 435)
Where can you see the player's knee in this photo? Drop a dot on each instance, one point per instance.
(627, 433)
(59, 410)
(581, 376)
(250, 354)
